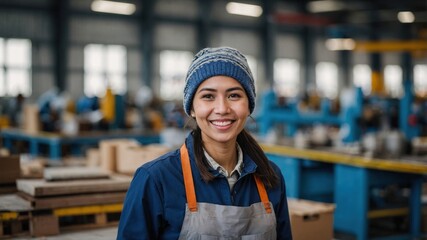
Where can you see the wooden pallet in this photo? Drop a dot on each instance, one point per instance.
(43, 188)
(7, 188)
(73, 200)
(14, 216)
(14, 224)
(52, 222)
(87, 217)
(49, 207)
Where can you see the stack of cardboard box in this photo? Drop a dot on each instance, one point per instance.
(124, 155)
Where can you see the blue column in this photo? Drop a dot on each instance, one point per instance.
(351, 199)
(291, 170)
(416, 208)
(34, 147)
(55, 150)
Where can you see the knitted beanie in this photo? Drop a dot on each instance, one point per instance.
(222, 61)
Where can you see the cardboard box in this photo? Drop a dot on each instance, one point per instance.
(130, 158)
(108, 152)
(311, 220)
(31, 119)
(10, 169)
(32, 167)
(93, 157)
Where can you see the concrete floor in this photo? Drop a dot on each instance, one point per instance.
(96, 234)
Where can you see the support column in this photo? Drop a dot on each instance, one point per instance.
(61, 36)
(147, 27)
(204, 24)
(268, 36)
(377, 79)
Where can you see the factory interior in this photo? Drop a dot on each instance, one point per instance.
(92, 89)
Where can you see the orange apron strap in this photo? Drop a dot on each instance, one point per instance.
(263, 194)
(188, 179)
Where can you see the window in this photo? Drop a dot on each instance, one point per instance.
(104, 66)
(173, 70)
(362, 77)
(420, 80)
(15, 67)
(286, 77)
(253, 64)
(327, 79)
(393, 80)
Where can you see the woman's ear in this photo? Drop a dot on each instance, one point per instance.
(193, 114)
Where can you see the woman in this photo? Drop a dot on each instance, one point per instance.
(219, 184)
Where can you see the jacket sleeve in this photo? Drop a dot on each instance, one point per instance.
(141, 217)
(283, 221)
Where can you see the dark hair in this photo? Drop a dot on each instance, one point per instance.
(250, 146)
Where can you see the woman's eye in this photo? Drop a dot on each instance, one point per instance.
(234, 95)
(207, 96)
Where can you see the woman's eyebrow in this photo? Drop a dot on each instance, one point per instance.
(234, 89)
(207, 89)
(214, 89)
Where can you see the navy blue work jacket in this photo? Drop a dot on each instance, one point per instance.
(154, 206)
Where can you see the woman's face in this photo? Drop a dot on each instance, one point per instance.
(220, 107)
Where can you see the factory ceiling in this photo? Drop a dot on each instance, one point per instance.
(389, 16)
(344, 17)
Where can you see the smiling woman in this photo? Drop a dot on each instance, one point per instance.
(219, 184)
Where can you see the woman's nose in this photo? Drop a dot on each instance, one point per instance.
(222, 106)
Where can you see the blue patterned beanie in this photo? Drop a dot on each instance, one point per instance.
(222, 61)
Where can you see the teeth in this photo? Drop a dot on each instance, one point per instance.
(221, 123)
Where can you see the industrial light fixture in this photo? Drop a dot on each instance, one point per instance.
(113, 7)
(325, 6)
(340, 44)
(243, 9)
(406, 17)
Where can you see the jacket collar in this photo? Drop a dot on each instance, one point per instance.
(249, 166)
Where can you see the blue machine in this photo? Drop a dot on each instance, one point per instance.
(272, 113)
(406, 111)
(350, 118)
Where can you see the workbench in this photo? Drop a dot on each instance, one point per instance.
(78, 143)
(347, 181)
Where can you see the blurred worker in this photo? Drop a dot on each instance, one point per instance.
(219, 184)
(15, 110)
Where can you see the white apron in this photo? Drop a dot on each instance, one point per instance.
(211, 221)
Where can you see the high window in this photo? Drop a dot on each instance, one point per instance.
(15, 67)
(420, 79)
(173, 70)
(286, 77)
(104, 66)
(253, 65)
(327, 79)
(393, 80)
(362, 75)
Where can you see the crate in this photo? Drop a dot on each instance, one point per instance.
(14, 224)
(88, 217)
